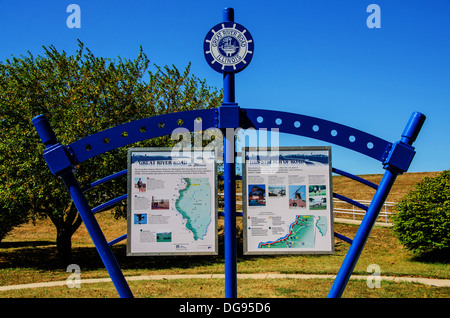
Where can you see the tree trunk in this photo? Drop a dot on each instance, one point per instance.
(64, 242)
(65, 228)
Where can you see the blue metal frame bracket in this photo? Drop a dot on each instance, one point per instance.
(400, 157)
(228, 115)
(58, 157)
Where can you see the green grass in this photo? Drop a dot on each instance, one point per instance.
(34, 261)
(247, 288)
(28, 255)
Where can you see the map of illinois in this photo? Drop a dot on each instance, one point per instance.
(194, 204)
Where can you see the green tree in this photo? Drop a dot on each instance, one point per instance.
(80, 95)
(422, 223)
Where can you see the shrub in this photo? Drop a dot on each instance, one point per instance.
(422, 223)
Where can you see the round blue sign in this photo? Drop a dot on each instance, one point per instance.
(228, 47)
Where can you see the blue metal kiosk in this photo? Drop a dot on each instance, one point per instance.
(395, 157)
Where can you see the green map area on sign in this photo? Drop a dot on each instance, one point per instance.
(301, 235)
(322, 225)
(194, 204)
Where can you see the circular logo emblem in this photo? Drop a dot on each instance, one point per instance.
(228, 47)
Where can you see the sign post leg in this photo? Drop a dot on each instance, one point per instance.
(229, 186)
(60, 165)
(97, 236)
(397, 162)
(230, 221)
(361, 236)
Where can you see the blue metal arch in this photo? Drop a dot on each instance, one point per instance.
(285, 122)
(140, 130)
(291, 123)
(317, 128)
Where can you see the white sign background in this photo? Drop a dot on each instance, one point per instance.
(287, 201)
(172, 203)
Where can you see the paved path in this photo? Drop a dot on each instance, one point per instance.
(426, 281)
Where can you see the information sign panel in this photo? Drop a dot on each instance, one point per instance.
(287, 201)
(172, 202)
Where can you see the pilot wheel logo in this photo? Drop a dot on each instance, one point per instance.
(228, 47)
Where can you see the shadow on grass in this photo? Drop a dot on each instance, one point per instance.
(436, 257)
(44, 257)
(25, 244)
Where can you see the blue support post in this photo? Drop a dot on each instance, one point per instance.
(60, 164)
(97, 236)
(396, 163)
(229, 176)
(230, 220)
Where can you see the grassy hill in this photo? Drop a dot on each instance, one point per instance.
(355, 190)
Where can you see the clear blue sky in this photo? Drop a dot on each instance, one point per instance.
(316, 58)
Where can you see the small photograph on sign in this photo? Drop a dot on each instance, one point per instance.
(277, 191)
(160, 204)
(297, 196)
(140, 218)
(164, 237)
(318, 203)
(139, 185)
(315, 190)
(257, 195)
